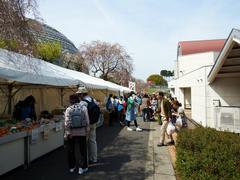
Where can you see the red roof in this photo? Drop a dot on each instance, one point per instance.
(192, 47)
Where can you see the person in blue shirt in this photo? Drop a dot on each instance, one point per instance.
(131, 112)
(28, 109)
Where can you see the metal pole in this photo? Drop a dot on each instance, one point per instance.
(10, 87)
(62, 94)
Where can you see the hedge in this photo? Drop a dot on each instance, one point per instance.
(204, 153)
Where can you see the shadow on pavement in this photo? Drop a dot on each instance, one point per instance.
(148, 130)
(122, 155)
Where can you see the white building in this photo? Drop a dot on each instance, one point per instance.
(207, 81)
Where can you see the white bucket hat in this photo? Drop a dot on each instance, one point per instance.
(82, 90)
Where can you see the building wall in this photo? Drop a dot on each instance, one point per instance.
(193, 70)
(196, 81)
(189, 63)
(192, 73)
(226, 90)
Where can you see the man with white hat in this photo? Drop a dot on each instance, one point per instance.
(93, 117)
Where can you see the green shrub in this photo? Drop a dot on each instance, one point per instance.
(205, 153)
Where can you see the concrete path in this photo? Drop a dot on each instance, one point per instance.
(159, 160)
(123, 155)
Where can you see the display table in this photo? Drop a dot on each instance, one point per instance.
(12, 151)
(47, 138)
(21, 148)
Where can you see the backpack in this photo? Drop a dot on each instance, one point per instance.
(17, 110)
(93, 111)
(109, 105)
(115, 103)
(139, 101)
(120, 107)
(78, 119)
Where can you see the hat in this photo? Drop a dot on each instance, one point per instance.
(82, 90)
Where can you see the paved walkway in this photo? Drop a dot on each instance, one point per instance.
(122, 155)
(159, 160)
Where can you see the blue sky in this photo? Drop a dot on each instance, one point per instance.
(148, 29)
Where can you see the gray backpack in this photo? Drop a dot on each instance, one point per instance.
(77, 116)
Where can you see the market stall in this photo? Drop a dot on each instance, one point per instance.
(51, 85)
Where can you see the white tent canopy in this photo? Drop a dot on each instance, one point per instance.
(24, 69)
(20, 68)
(118, 87)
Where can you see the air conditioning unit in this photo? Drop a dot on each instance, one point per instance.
(228, 118)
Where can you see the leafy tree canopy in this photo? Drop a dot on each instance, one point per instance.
(48, 51)
(157, 80)
(166, 73)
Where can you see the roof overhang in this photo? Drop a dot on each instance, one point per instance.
(228, 61)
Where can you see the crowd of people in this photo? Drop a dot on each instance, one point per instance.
(82, 115)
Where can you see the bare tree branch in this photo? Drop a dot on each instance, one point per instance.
(106, 59)
(14, 26)
(75, 62)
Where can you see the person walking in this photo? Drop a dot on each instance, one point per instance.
(144, 107)
(94, 113)
(131, 112)
(165, 110)
(121, 110)
(110, 108)
(76, 130)
(115, 104)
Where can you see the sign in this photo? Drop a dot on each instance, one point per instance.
(132, 85)
(59, 126)
(46, 130)
(34, 135)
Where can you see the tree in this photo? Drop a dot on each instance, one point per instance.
(156, 79)
(141, 86)
(164, 73)
(74, 61)
(122, 75)
(167, 73)
(48, 51)
(14, 27)
(105, 59)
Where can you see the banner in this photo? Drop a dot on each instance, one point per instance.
(132, 86)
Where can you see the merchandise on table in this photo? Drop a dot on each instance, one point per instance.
(11, 126)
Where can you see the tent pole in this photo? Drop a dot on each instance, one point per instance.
(10, 87)
(61, 95)
(42, 101)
